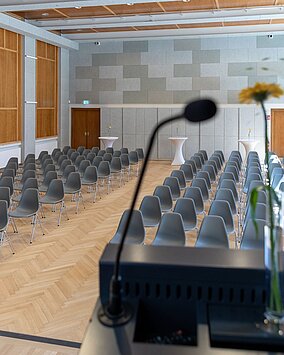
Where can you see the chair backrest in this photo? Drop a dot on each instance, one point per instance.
(45, 157)
(212, 233)
(214, 165)
(74, 156)
(200, 155)
(233, 163)
(3, 215)
(236, 160)
(109, 150)
(195, 194)
(124, 160)
(7, 181)
(29, 160)
(116, 153)
(28, 174)
(186, 208)
(116, 163)
(253, 184)
(140, 153)
(227, 195)
(97, 160)
(135, 233)
(248, 180)
(95, 150)
(133, 157)
(173, 184)
(32, 166)
(107, 157)
(12, 165)
(197, 161)
(91, 174)
(201, 183)
(260, 213)
(217, 160)
(222, 208)
(221, 154)
(234, 171)
(83, 166)
(49, 167)
(227, 176)
(192, 164)
(30, 201)
(230, 184)
(73, 181)
(276, 171)
(5, 195)
(56, 189)
(80, 149)
(9, 172)
(210, 170)
(42, 153)
(179, 174)
(170, 231)
(61, 159)
(204, 153)
(253, 170)
(150, 208)
(90, 157)
(86, 152)
(70, 152)
(281, 187)
(104, 168)
(78, 161)
(57, 156)
(30, 183)
(251, 238)
(65, 149)
(204, 175)
(276, 179)
(68, 170)
(55, 150)
(188, 173)
(165, 196)
(101, 153)
(14, 160)
(50, 175)
(124, 150)
(65, 163)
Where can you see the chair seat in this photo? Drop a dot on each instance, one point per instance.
(18, 186)
(42, 188)
(21, 213)
(87, 182)
(101, 176)
(150, 222)
(167, 240)
(113, 170)
(50, 200)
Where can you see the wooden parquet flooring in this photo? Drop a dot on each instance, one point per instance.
(50, 288)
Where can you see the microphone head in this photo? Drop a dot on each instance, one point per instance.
(200, 110)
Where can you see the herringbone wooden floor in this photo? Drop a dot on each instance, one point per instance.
(50, 288)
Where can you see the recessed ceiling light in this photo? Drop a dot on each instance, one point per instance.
(45, 14)
(185, 0)
(130, 4)
(78, 7)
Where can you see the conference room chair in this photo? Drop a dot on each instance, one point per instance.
(5, 195)
(211, 171)
(101, 153)
(107, 157)
(80, 149)
(64, 163)
(217, 160)
(186, 208)
(40, 156)
(56, 157)
(125, 164)
(227, 195)
(236, 160)
(49, 167)
(165, 196)
(234, 164)
(260, 213)
(276, 179)
(110, 150)
(214, 165)
(67, 171)
(231, 185)
(4, 221)
(28, 208)
(196, 195)
(27, 174)
(179, 174)
(201, 183)
(7, 181)
(13, 160)
(116, 169)
(197, 161)
(170, 231)
(30, 183)
(70, 152)
(150, 208)
(204, 175)
(192, 164)
(73, 187)
(104, 176)
(204, 153)
(50, 175)
(188, 173)
(86, 152)
(74, 156)
(173, 184)
(53, 197)
(116, 153)
(226, 176)
(135, 232)
(83, 166)
(212, 233)
(65, 149)
(78, 161)
(281, 187)
(234, 171)
(97, 160)
(11, 165)
(221, 154)
(54, 152)
(134, 161)
(90, 157)
(95, 150)
(140, 153)
(90, 179)
(8, 172)
(276, 171)
(200, 155)
(124, 150)
(252, 239)
(60, 161)
(248, 180)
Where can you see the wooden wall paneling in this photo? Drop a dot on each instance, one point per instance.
(277, 129)
(20, 87)
(8, 75)
(8, 119)
(11, 40)
(2, 34)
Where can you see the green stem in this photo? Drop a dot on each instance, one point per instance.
(275, 302)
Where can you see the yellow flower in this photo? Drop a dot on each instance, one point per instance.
(260, 92)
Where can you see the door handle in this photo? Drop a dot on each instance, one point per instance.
(85, 133)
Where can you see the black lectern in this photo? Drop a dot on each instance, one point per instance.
(184, 301)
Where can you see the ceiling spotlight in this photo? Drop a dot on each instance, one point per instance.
(185, 0)
(45, 14)
(78, 7)
(130, 4)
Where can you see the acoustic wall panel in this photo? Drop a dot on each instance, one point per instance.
(231, 132)
(111, 124)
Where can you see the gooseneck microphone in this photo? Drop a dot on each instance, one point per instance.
(116, 312)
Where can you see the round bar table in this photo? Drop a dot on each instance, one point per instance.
(178, 142)
(108, 141)
(249, 145)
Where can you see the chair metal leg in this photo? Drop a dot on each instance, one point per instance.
(37, 220)
(13, 223)
(95, 191)
(9, 241)
(81, 197)
(33, 228)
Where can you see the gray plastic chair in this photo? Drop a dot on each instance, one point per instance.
(97, 160)
(192, 164)
(109, 150)
(196, 195)
(204, 153)
(253, 184)
(179, 174)
(136, 231)
(90, 179)
(134, 161)
(78, 161)
(65, 149)
(95, 150)
(41, 155)
(104, 175)
(212, 233)
(9, 172)
(54, 196)
(222, 208)
(12, 165)
(116, 153)
(83, 166)
(28, 208)
(201, 183)
(214, 165)
(197, 161)
(170, 231)
(101, 153)
(5, 195)
(67, 171)
(57, 156)
(74, 156)
(248, 180)
(150, 208)
(51, 175)
(54, 152)
(186, 208)
(27, 174)
(281, 187)
(219, 155)
(200, 155)
(124, 150)
(140, 153)
(211, 171)
(188, 173)
(80, 149)
(7, 181)
(260, 213)
(227, 176)
(234, 171)
(173, 184)
(204, 175)
(227, 195)
(230, 184)
(220, 152)
(65, 163)
(236, 160)
(4, 220)
(253, 170)
(234, 164)
(60, 161)
(90, 157)
(107, 157)
(217, 160)
(73, 187)
(116, 169)
(30, 183)
(125, 164)
(165, 196)
(251, 239)
(86, 152)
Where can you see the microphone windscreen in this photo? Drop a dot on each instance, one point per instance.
(200, 110)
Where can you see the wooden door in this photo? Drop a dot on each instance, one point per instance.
(93, 128)
(79, 127)
(277, 131)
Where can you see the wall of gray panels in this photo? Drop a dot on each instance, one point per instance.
(112, 117)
